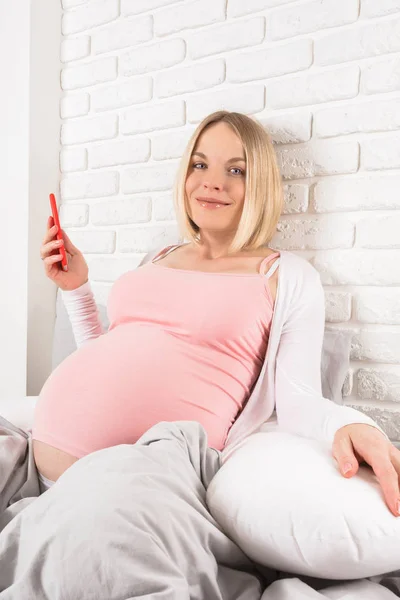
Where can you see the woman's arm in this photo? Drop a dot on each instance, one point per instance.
(83, 313)
(300, 405)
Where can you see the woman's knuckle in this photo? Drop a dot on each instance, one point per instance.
(387, 470)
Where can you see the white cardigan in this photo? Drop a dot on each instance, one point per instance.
(290, 378)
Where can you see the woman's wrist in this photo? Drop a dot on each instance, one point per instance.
(82, 290)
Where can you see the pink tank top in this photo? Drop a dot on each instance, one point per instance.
(182, 346)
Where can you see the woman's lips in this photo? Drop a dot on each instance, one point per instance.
(211, 205)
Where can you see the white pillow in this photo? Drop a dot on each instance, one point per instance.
(19, 411)
(282, 499)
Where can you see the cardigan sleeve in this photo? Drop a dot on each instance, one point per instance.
(300, 405)
(83, 313)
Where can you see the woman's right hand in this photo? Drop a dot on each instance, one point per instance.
(78, 271)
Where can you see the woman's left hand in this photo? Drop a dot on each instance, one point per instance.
(357, 443)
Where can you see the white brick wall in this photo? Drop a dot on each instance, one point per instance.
(322, 75)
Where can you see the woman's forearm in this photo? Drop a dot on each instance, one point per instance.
(83, 313)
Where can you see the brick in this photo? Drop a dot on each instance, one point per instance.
(380, 346)
(134, 7)
(97, 71)
(170, 145)
(123, 94)
(387, 419)
(189, 79)
(89, 130)
(348, 383)
(372, 8)
(224, 38)
(318, 158)
(315, 88)
(150, 178)
(153, 57)
(109, 269)
(245, 99)
(377, 306)
(296, 198)
(163, 208)
(310, 233)
(379, 232)
(90, 185)
(366, 117)
(381, 384)
(358, 267)
(288, 128)
(74, 105)
(93, 242)
(144, 239)
(238, 8)
(151, 118)
(361, 42)
(337, 307)
(187, 15)
(357, 193)
(73, 159)
(381, 153)
(75, 48)
(74, 215)
(121, 152)
(117, 212)
(271, 62)
(90, 15)
(381, 76)
(128, 32)
(309, 17)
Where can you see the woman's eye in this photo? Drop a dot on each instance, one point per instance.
(198, 166)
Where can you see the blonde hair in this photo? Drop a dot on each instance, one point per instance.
(264, 192)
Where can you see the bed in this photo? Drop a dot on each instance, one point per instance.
(175, 549)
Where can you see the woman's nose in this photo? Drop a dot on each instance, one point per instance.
(213, 184)
(213, 179)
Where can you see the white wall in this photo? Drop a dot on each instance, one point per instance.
(14, 193)
(29, 144)
(323, 75)
(44, 177)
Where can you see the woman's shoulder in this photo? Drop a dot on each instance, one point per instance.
(298, 275)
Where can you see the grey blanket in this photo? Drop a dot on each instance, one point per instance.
(131, 521)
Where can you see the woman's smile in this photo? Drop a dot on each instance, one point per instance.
(211, 204)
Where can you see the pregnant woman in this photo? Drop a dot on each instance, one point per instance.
(188, 330)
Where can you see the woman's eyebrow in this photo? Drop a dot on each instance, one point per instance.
(234, 159)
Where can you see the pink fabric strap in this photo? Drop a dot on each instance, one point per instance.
(268, 260)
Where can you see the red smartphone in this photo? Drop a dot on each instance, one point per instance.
(54, 210)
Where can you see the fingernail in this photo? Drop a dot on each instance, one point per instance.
(347, 467)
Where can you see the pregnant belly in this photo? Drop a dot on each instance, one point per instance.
(50, 461)
(116, 387)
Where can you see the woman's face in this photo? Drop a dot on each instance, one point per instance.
(217, 172)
